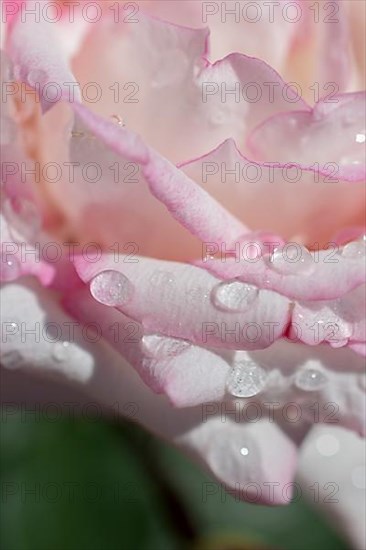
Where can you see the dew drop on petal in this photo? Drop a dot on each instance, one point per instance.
(291, 259)
(61, 351)
(327, 445)
(246, 379)
(355, 249)
(244, 451)
(9, 268)
(310, 379)
(163, 347)
(111, 288)
(234, 296)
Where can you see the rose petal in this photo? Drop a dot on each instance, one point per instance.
(187, 374)
(176, 300)
(165, 83)
(332, 461)
(39, 61)
(303, 137)
(258, 460)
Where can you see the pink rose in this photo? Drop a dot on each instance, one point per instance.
(193, 227)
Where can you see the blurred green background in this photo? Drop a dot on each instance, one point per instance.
(77, 484)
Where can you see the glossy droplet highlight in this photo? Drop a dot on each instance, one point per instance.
(61, 351)
(111, 288)
(291, 259)
(162, 347)
(234, 296)
(310, 380)
(9, 268)
(244, 451)
(246, 379)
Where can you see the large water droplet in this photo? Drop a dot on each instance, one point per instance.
(246, 379)
(61, 351)
(9, 268)
(355, 249)
(291, 259)
(310, 379)
(172, 69)
(234, 296)
(162, 347)
(111, 288)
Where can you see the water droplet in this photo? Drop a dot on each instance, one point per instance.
(10, 268)
(246, 379)
(310, 379)
(118, 120)
(24, 219)
(244, 451)
(61, 351)
(360, 138)
(327, 445)
(234, 296)
(111, 288)
(355, 249)
(358, 477)
(172, 69)
(291, 259)
(162, 347)
(8, 131)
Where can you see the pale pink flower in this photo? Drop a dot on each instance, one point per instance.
(187, 166)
